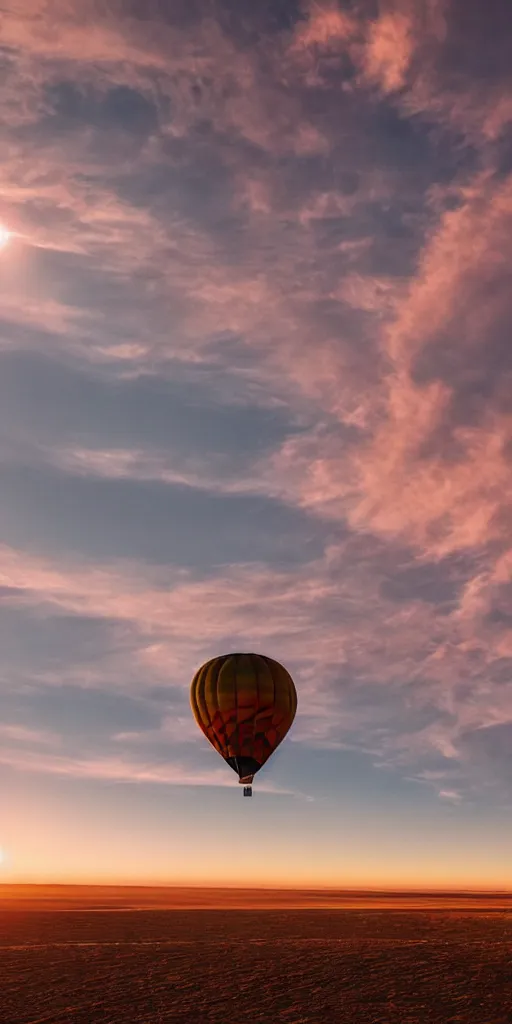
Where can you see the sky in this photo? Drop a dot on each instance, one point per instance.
(256, 394)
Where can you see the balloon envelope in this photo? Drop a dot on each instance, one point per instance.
(245, 705)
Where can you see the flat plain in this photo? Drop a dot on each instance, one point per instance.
(149, 956)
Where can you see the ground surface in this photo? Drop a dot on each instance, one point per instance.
(249, 966)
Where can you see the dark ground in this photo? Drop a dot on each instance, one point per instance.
(248, 966)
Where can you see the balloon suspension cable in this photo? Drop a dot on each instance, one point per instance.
(246, 782)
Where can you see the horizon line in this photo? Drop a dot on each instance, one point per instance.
(384, 890)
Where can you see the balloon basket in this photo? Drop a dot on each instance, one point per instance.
(247, 790)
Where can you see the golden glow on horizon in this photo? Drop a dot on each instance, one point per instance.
(480, 877)
(281, 845)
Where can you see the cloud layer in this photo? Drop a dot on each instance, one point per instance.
(256, 376)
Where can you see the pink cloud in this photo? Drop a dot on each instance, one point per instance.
(105, 46)
(442, 504)
(389, 49)
(20, 734)
(452, 795)
(325, 24)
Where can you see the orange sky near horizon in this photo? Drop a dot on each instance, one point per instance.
(116, 837)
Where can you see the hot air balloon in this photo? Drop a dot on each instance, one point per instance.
(244, 704)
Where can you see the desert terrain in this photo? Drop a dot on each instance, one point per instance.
(76, 955)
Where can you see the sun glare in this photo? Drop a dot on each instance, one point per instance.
(4, 236)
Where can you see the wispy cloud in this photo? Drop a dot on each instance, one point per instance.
(19, 734)
(110, 769)
(451, 795)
